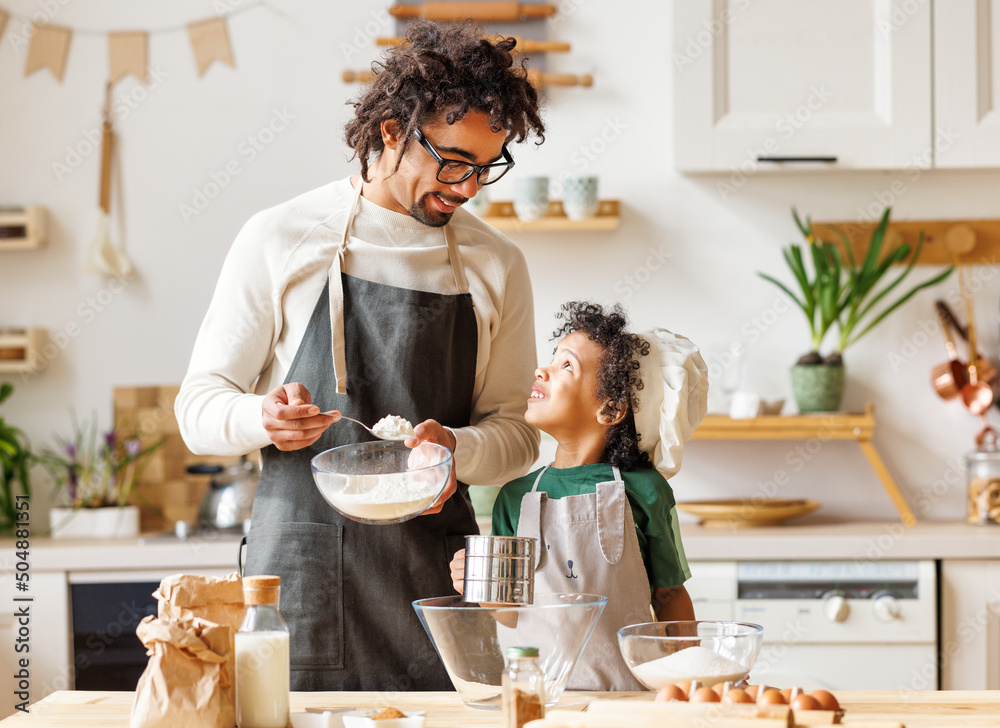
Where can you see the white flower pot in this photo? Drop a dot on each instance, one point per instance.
(109, 522)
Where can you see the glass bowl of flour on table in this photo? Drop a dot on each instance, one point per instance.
(663, 653)
(382, 481)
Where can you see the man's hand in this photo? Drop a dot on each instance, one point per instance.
(433, 431)
(457, 567)
(291, 420)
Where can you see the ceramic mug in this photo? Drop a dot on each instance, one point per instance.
(531, 197)
(580, 199)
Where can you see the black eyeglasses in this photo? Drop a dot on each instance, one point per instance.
(453, 171)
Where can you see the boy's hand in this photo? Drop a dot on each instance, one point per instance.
(457, 566)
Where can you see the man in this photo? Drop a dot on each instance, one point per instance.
(377, 295)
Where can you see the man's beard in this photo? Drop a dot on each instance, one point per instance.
(421, 210)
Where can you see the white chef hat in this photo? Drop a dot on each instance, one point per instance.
(673, 399)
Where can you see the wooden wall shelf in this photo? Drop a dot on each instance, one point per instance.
(935, 252)
(501, 215)
(21, 350)
(27, 225)
(825, 426)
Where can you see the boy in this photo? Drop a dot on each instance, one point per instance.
(589, 399)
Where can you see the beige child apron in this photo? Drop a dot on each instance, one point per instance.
(587, 544)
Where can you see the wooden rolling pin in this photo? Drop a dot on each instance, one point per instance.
(537, 78)
(524, 45)
(489, 11)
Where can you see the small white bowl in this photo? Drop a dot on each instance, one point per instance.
(362, 719)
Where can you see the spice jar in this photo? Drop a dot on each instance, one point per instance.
(523, 687)
(982, 469)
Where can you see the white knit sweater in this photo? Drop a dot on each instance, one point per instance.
(270, 283)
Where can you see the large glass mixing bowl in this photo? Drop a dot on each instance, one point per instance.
(382, 481)
(662, 653)
(472, 640)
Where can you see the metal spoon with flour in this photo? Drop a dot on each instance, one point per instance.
(390, 427)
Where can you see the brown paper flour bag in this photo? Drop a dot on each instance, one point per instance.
(217, 599)
(184, 684)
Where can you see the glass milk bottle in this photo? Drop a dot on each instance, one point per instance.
(262, 657)
(523, 687)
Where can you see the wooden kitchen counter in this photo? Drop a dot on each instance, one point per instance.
(951, 709)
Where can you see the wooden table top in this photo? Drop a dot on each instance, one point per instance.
(945, 709)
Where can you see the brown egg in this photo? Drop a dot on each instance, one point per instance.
(751, 690)
(805, 702)
(685, 686)
(771, 697)
(670, 692)
(737, 695)
(718, 688)
(825, 699)
(786, 694)
(705, 695)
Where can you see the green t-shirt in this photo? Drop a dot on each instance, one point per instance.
(648, 493)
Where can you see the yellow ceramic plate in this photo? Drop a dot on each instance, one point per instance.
(747, 513)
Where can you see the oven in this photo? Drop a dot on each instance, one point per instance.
(838, 625)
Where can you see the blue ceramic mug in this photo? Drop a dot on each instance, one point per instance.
(531, 197)
(580, 199)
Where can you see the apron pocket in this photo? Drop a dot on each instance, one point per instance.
(308, 558)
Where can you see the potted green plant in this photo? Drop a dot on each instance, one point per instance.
(837, 290)
(98, 472)
(15, 461)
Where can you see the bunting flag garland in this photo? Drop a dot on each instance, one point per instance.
(128, 52)
(210, 42)
(48, 49)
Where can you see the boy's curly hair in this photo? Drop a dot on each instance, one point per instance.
(618, 380)
(443, 71)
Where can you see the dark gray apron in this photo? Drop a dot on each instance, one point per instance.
(346, 587)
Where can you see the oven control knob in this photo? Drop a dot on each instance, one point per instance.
(886, 607)
(835, 607)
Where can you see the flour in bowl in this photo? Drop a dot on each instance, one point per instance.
(393, 427)
(692, 663)
(380, 497)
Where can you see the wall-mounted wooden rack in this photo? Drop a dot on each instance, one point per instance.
(536, 77)
(22, 228)
(986, 234)
(524, 45)
(21, 350)
(825, 426)
(501, 215)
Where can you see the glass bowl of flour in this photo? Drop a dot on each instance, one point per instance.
(382, 481)
(663, 653)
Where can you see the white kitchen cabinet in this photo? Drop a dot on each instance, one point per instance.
(970, 625)
(967, 83)
(802, 83)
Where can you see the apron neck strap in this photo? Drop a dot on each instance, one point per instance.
(336, 286)
(539, 478)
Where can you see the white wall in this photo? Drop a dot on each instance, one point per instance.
(186, 129)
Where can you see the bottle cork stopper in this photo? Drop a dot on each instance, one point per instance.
(261, 589)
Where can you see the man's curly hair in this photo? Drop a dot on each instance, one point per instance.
(443, 72)
(618, 380)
